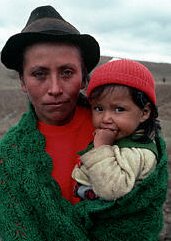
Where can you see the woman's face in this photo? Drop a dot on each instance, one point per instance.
(52, 79)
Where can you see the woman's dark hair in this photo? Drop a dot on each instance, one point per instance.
(151, 126)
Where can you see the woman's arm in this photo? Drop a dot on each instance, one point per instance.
(17, 218)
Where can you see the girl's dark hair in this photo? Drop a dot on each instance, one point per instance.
(151, 126)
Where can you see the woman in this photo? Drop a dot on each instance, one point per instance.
(37, 155)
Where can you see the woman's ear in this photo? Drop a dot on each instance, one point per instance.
(85, 80)
(83, 85)
(22, 84)
(146, 112)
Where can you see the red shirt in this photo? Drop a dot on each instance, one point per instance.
(63, 143)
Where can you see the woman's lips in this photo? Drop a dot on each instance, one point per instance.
(55, 105)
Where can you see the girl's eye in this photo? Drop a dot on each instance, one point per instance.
(97, 108)
(119, 109)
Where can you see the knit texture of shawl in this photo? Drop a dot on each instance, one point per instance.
(31, 206)
(32, 209)
(136, 216)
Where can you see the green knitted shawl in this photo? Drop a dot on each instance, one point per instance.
(32, 209)
(139, 214)
(31, 206)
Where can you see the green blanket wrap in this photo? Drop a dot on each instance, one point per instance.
(32, 209)
(136, 216)
(31, 206)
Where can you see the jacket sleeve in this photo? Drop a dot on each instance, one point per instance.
(114, 171)
(80, 174)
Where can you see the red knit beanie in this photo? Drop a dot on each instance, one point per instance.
(124, 72)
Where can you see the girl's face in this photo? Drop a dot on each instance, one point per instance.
(52, 79)
(115, 110)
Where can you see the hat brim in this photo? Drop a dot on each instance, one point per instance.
(17, 43)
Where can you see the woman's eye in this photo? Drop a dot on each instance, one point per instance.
(40, 75)
(67, 73)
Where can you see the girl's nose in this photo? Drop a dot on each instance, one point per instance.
(107, 117)
(55, 86)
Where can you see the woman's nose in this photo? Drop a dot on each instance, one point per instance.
(55, 86)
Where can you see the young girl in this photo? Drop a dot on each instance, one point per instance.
(123, 101)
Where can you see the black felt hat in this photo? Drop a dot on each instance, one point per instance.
(46, 24)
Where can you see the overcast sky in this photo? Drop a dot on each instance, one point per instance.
(132, 29)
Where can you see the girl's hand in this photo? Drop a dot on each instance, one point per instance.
(104, 137)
